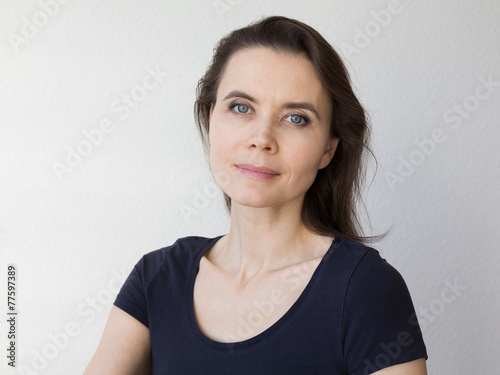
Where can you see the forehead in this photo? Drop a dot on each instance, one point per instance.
(271, 75)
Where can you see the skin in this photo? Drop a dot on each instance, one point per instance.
(266, 231)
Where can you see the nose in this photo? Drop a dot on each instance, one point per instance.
(263, 138)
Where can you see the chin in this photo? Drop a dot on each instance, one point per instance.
(253, 201)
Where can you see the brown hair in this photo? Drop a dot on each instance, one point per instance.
(329, 206)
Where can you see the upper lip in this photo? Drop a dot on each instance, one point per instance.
(257, 169)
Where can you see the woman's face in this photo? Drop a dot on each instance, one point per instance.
(272, 111)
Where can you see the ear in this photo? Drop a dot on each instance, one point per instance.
(211, 110)
(329, 153)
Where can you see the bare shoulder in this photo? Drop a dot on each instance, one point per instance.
(125, 347)
(416, 367)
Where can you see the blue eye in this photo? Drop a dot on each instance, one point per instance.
(296, 119)
(241, 108)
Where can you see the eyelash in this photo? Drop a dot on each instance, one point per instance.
(305, 118)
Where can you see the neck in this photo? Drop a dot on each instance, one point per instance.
(263, 240)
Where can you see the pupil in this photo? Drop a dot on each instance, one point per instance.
(296, 118)
(244, 107)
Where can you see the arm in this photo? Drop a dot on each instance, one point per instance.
(416, 367)
(124, 349)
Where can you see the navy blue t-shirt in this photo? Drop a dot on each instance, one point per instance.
(355, 316)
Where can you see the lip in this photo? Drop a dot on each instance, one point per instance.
(253, 168)
(262, 173)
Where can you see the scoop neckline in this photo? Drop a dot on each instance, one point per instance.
(252, 340)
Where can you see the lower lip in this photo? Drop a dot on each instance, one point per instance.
(262, 176)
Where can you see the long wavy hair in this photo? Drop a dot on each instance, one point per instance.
(330, 204)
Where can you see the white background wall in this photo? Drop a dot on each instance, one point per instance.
(75, 235)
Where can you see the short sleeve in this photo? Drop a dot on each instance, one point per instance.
(379, 326)
(132, 297)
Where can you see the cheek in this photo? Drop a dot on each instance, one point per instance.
(224, 138)
(304, 165)
(305, 158)
(220, 151)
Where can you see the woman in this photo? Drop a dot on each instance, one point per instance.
(292, 288)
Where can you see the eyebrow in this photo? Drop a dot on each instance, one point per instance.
(303, 105)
